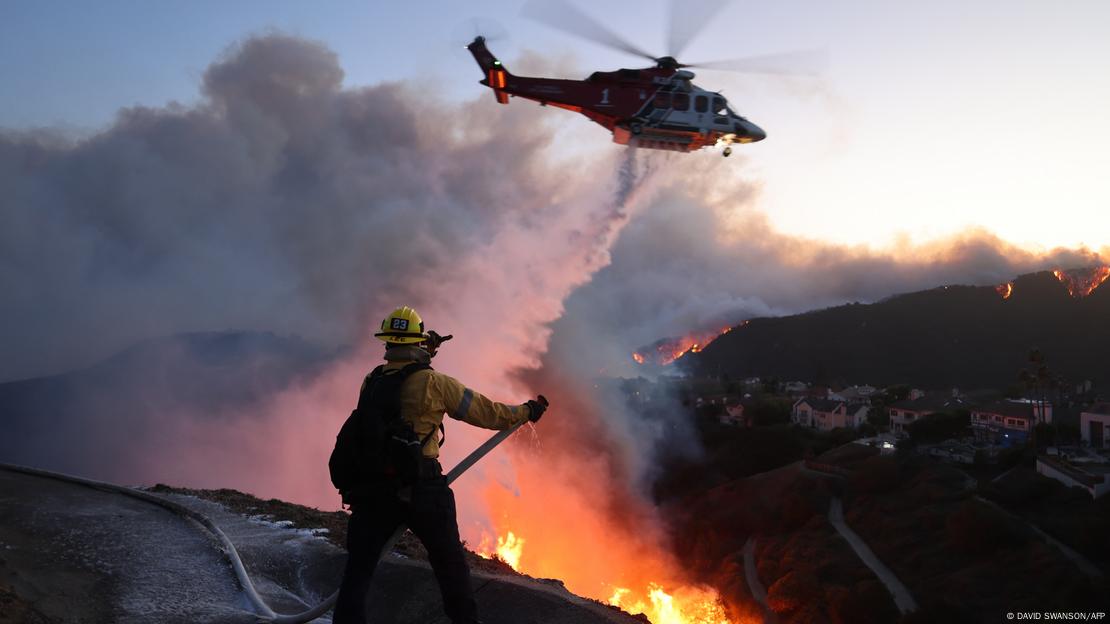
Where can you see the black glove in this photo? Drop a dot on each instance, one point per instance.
(434, 340)
(536, 408)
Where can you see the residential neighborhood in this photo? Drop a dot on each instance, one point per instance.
(977, 429)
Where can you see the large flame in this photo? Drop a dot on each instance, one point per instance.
(687, 606)
(683, 605)
(566, 520)
(1005, 290)
(509, 549)
(670, 349)
(1082, 282)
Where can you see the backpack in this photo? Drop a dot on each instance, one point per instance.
(376, 447)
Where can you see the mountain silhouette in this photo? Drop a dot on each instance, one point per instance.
(969, 337)
(88, 421)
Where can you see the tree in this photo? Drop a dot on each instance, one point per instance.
(940, 426)
(1038, 381)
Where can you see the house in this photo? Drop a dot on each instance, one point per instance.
(735, 414)
(1004, 423)
(854, 394)
(1092, 473)
(795, 388)
(904, 413)
(1042, 410)
(826, 415)
(1094, 426)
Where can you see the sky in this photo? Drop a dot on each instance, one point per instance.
(214, 175)
(928, 119)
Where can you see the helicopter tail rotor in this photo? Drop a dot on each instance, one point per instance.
(468, 30)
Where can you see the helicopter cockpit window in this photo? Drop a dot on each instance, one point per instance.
(720, 111)
(662, 100)
(701, 104)
(681, 101)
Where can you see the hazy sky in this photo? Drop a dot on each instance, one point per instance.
(931, 117)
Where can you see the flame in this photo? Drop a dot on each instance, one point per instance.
(1005, 290)
(668, 350)
(509, 549)
(683, 605)
(687, 606)
(1082, 282)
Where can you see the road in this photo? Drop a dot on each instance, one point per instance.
(78, 554)
(751, 575)
(903, 599)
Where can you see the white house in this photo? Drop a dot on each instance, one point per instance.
(1094, 426)
(854, 394)
(1092, 477)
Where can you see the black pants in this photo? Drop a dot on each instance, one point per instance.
(431, 517)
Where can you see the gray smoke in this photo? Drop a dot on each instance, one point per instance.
(687, 265)
(282, 201)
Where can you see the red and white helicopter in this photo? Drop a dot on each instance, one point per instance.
(658, 107)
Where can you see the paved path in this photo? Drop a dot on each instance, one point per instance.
(902, 597)
(751, 575)
(81, 555)
(84, 555)
(1080, 561)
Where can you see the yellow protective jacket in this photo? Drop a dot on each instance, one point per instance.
(428, 394)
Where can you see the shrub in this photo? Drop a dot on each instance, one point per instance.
(796, 590)
(979, 530)
(875, 475)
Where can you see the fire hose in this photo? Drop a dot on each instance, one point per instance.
(265, 613)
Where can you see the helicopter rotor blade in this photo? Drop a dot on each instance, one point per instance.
(686, 18)
(465, 31)
(564, 16)
(798, 63)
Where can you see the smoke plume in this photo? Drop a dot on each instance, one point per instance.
(286, 202)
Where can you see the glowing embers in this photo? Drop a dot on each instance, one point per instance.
(685, 606)
(1005, 290)
(668, 350)
(509, 549)
(1082, 282)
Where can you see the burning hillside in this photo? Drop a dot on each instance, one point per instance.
(667, 350)
(1005, 290)
(684, 605)
(1082, 282)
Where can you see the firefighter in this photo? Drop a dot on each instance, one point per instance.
(428, 507)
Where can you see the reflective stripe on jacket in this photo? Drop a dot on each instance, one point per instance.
(428, 394)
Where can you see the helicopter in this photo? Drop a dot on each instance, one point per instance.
(656, 107)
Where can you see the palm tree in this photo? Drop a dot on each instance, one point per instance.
(1037, 382)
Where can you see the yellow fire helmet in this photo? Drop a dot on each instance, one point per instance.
(402, 326)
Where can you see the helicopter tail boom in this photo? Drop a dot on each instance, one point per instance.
(496, 76)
